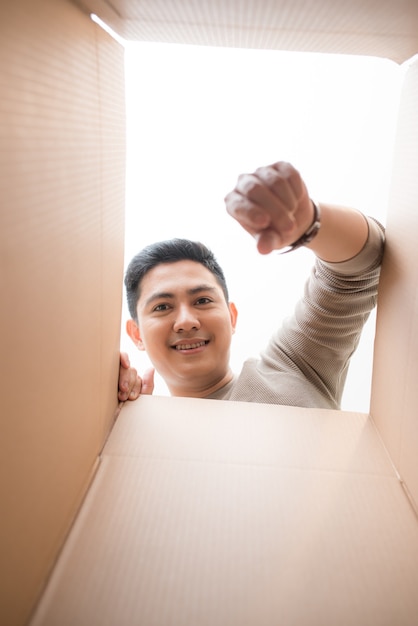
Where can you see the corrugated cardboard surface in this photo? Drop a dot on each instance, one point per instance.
(395, 390)
(61, 231)
(232, 514)
(277, 516)
(386, 28)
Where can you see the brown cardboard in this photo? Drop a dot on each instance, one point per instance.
(395, 364)
(200, 512)
(366, 27)
(62, 193)
(210, 512)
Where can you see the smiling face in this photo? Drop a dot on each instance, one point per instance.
(185, 326)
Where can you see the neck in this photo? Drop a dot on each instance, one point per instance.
(201, 391)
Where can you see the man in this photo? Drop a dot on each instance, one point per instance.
(182, 317)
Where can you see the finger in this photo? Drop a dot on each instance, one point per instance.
(251, 217)
(136, 388)
(279, 181)
(127, 382)
(124, 360)
(292, 176)
(256, 206)
(270, 232)
(269, 240)
(148, 382)
(124, 378)
(286, 183)
(268, 190)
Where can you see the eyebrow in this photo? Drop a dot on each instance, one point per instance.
(162, 295)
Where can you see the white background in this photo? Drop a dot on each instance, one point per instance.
(198, 117)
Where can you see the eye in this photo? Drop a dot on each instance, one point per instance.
(204, 300)
(161, 307)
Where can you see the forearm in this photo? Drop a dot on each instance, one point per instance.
(342, 235)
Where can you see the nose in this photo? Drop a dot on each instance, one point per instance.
(186, 319)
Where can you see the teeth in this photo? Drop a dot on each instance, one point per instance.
(189, 346)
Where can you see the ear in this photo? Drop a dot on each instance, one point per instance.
(132, 329)
(233, 312)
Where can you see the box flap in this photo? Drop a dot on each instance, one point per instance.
(394, 399)
(226, 514)
(62, 189)
(365, 27)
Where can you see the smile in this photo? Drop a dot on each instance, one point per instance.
(190, 346)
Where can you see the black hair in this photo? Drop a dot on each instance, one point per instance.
(168, 251)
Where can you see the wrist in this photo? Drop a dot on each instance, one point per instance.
(311, 232)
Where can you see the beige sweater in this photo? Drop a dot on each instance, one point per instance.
(306, 361)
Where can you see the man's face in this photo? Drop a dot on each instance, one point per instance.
(185, 326)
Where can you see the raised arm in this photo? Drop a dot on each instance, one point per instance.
(316, 343)
(274, 206)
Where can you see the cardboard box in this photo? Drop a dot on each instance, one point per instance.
(193, 512)
(203, 512)
(62, 204)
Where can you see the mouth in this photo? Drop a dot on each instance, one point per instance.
(190, 346)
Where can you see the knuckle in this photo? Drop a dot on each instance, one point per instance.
(265, 172)
(248, 184)
(283, 166)
(133, 375)
(234, 203)
(251, 186)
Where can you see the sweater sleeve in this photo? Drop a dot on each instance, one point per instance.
(316, 343)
